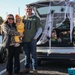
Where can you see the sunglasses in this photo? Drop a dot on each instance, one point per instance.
(10, 18)
(28, 9)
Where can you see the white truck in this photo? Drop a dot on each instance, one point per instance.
(57, 40)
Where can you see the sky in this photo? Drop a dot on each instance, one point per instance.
(13, 7)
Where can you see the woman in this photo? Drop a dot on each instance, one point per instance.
(9, 28)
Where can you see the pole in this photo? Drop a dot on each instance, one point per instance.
(19, 10)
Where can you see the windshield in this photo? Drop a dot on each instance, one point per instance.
(56, 9)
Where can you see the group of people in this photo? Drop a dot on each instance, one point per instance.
(24, 30)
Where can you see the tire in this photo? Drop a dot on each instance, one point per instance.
(39, 62)
(3, 55)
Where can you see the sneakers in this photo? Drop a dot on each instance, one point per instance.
(27, 70)
(35, 72)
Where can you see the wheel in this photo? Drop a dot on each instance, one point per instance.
(3, 55)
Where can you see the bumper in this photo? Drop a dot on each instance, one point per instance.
(45, 56)
(56, 53)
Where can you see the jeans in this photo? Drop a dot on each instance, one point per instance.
(30, 48)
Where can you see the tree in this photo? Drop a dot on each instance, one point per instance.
(1, 20)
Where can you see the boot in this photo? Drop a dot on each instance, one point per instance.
(7, 73)
(35, 72)
(16, 74)
(27, 70)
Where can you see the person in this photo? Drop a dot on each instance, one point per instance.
(20, 29)
(9, 28)
(33, 29)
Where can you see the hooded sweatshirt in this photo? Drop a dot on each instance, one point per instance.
(33, 28)
(20, 28)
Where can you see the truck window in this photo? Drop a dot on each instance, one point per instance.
(57, 9)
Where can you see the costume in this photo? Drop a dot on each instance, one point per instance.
(20, 28)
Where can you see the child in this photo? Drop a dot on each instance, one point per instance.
(20, 29)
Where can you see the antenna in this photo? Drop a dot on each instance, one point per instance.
(6, 13)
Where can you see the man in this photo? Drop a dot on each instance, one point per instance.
(33, 30)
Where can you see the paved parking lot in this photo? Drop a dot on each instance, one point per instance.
(46, 67)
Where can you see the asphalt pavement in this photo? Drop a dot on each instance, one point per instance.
(46, 67)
